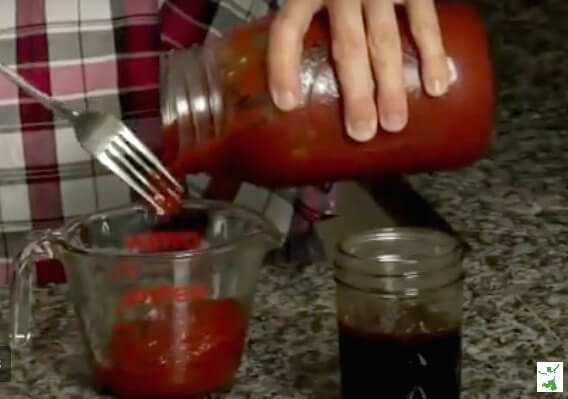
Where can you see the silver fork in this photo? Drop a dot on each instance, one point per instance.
(114, 145)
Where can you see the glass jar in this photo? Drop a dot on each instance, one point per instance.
(399, 309)
(219, 116)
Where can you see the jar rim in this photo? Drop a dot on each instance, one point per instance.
(392, 233)
(448, 248)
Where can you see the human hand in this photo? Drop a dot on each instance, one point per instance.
(367, 53)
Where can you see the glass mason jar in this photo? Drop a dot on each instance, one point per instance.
(399, 307)
(219, 116)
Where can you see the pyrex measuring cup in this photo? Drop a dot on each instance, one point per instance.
(163, 302)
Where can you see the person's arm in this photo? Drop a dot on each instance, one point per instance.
(367, 52)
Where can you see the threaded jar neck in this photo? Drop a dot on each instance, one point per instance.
(190, 97)
(399, 261)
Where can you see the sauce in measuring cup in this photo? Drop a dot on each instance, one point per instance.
(181, 354)
(170, 341)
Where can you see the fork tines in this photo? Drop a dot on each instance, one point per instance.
(126, 156)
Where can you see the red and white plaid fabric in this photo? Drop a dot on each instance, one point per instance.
(103, 54)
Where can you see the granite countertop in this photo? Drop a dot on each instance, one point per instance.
(511, 207)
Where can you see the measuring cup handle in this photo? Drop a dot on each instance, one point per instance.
(21, 285)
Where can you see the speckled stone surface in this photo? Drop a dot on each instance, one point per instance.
(511, 207)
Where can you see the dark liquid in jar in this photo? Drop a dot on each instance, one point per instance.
(421, 366)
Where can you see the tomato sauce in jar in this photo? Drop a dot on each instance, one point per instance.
(220, 118)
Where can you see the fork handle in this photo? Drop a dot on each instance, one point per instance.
(48, 102)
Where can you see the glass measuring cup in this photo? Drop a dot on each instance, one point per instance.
(163, 302)
(399, 308)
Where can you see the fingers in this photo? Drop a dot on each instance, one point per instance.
(353, 67)
(363, 55)
(426, 32)
(386, 58)
(285, 48)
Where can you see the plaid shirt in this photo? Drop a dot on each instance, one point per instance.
(104, 54)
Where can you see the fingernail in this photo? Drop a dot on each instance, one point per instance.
(362, 130)
(286, 100)
(393, 121)
(436, 88)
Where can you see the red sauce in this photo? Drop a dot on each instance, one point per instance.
(262, 145)
(168, 200)
(178, 355)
